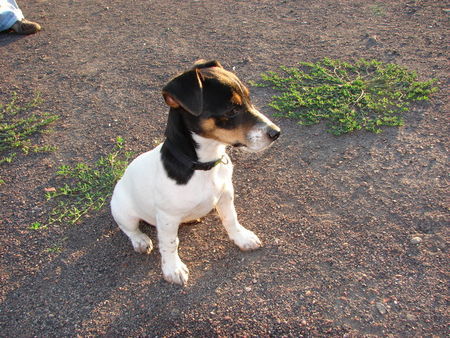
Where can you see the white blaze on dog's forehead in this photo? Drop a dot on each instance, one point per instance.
(263, 118)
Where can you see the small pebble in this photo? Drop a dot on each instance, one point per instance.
(416, 240)
(411, 317)
(381, 308)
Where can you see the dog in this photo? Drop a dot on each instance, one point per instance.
(189, 174)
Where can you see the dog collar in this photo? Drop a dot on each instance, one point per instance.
(207, 165)
(194, 165)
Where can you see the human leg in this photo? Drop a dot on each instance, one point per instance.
(10, 13)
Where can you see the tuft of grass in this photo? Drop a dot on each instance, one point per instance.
(377, 10)
(19, 122)
(54, 249)
(367, 94)
(37, 226)
(86, 188)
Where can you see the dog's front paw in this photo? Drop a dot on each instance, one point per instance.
(175, 272)
(142, 243)
(246, 240)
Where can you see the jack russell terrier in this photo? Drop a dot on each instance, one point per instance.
(188, 175)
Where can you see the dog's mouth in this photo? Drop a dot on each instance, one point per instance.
(250, 148)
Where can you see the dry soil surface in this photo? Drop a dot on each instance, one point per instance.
(337, 214)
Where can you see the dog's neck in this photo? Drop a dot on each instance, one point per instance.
(184, 151)
(208, 149)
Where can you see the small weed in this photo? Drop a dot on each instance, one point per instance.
(377, 10)
(87, 188)
(37, 226)
(18, 123)
(55, 249)
(364, 95)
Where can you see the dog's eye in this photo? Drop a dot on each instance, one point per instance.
(232, 113)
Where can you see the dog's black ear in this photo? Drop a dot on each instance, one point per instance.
(206, 64)
(186, 90)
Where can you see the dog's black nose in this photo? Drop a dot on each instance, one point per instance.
(273, 133)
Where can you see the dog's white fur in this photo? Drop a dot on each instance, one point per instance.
(145, 192)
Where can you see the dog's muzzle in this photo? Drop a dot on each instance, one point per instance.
(261, 136)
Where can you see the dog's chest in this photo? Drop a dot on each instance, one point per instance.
(202, 193)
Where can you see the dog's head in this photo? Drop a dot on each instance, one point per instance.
(216, 105)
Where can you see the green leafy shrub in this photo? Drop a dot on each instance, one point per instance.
(364, 95)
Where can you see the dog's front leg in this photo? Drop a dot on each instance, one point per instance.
(174, 270)
(242, 237)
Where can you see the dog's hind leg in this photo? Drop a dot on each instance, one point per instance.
(141, 242)
(130, 226)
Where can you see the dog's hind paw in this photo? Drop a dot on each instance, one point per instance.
(142, 243)
(246, 240)
(175, 272)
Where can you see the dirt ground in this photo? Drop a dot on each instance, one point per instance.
(337, 215)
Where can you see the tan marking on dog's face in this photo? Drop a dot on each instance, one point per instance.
(171, 102)
(228, 136)
(208, 125)
(236, 98)
(246, 91)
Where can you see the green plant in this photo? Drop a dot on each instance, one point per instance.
(87, 188)
(377, 9)
(54, 249)
(365, 95)
(18, 123)
(37, 226)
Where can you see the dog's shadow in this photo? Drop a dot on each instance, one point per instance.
(97, 283)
